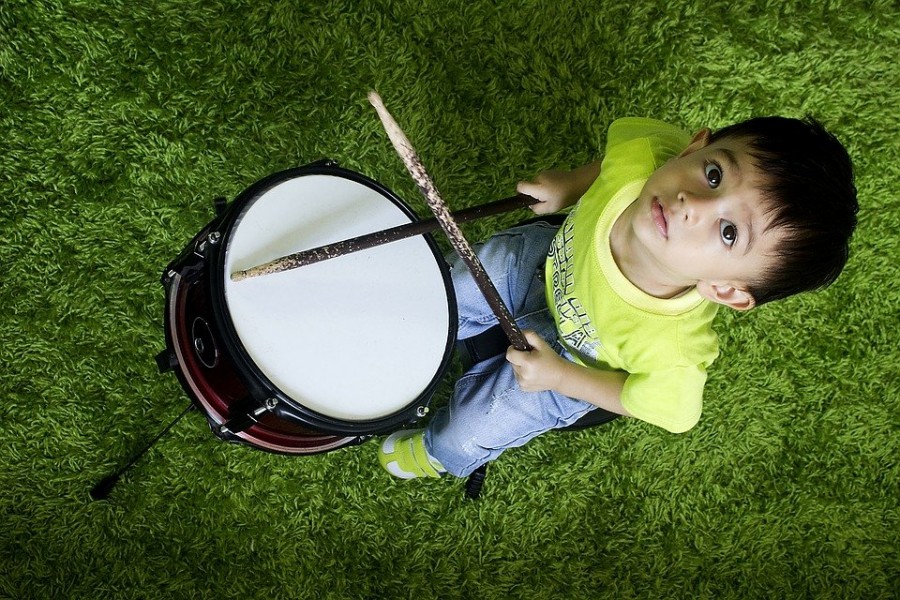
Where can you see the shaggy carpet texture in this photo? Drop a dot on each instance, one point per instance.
(120, 122)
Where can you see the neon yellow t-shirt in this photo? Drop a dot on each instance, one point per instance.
(665, 345)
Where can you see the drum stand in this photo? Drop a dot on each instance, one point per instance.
(105, 486)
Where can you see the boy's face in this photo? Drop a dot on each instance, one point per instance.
(701, 221)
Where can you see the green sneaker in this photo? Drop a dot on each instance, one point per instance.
(403, 455)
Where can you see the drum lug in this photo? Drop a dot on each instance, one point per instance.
(166, 361)
(168, 276)
(212, 239)
(421, 411)
(324, 162)
(247, 419)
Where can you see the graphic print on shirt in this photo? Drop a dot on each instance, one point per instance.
(575, 328)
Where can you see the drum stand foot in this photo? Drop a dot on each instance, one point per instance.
(104, 487)
(476, 482)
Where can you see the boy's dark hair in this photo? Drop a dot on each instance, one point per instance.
(812, 200)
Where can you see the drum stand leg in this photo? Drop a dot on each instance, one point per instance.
(476, 482)
(103, 488)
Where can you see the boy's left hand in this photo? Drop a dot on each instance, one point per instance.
(540, 368)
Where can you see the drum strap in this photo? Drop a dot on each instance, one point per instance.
(487, 344)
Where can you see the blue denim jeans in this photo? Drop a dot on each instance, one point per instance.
(488, 412)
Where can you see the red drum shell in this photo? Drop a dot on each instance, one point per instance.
(225, 382)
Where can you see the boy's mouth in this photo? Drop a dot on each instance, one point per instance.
(659, 218)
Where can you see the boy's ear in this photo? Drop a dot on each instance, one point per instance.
(700, 140)
(727, 295)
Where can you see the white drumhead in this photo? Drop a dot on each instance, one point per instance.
(355, 338)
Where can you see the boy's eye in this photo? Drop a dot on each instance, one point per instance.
(728, 232)
(713, 174)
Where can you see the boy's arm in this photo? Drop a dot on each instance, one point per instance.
(543, 369)
(557, 190)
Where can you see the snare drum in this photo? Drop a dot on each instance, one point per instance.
(315, 358)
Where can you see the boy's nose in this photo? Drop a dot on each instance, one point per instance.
(693, 207)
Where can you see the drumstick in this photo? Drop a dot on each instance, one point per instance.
(443, 216)
(378, 238)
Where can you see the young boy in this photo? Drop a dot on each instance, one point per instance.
(618, 302)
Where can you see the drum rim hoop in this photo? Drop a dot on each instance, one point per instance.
(263, 388)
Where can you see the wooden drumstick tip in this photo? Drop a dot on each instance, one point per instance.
(401, 143)
(274, 266)
(375, 99)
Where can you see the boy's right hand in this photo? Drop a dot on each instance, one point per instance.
(551, 190)
(557, 190)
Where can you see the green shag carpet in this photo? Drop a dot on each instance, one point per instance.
(120, 122)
